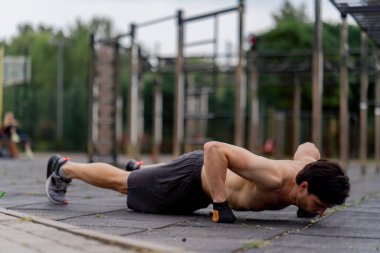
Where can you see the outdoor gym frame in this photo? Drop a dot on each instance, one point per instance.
(134, 130)
(240, 103)
(363, 14)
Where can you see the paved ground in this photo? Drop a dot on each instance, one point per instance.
(100, 217)
(21, 234)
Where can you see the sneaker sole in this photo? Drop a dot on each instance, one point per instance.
(48, 195)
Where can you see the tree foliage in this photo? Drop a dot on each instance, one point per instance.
(293, 33)
(35, 103)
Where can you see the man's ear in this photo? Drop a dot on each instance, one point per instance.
(303, 186)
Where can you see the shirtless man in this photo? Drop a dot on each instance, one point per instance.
(227, 176)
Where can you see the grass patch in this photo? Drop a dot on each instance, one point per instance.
(99, 215)
(255, 244)
(26, 219)
(2, 194)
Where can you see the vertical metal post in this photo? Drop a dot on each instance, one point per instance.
(1, 84)
(16, 100)
(59, 94)
(25, 101)
(90, 143)
(343, 95)
(215, 54)
(133, 119)
(240, 96)
(117, 101)
(157, 115)
(179, 100)
(377, 109)
(296, 112)
(279, 134)
(317, 78)
(204, 109)
(271, 125)
(363, 101)
(140, 101)
(254, 139)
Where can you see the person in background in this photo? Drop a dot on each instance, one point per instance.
(14, 134)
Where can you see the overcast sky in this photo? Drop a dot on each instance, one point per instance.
(62, 13)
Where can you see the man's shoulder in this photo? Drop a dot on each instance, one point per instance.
(307, 152)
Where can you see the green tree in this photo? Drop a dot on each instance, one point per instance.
(35, 104)
(288, 12)
(290, 45)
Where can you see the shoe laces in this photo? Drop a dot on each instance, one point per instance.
(60, 184)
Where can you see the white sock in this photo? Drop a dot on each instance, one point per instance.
(62, 173)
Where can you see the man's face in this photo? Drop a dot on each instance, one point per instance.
(309, 202)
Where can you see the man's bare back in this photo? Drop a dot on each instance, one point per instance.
(246, 195)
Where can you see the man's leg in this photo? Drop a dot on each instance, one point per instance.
(97, 174)
(60, 172)
(13, 149)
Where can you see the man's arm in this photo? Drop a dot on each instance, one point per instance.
(219, 156)
(307, 152)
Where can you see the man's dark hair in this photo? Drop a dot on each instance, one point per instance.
(327, 180)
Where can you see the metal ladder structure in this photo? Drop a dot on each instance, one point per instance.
(105, 102)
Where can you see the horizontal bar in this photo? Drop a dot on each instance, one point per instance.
(204, 68)
(373, 25)
(155, 21)
(106, 41)
(111, 40)
(199, 116)
(303, 53)
(362, 9)
(211, 14)
(167, 58)
(206, 57)
(199, 43)
(123, 35)
(197, 92)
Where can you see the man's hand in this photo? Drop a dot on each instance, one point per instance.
(222, 213)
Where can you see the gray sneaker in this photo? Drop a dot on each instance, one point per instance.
(56, 185)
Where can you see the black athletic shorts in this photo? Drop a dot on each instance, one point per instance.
(174, 187)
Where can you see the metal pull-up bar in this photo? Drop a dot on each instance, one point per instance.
(112, 40)
(199, 43)
(134, 113)
(211, 14)
(180, 81)
(106, 41)
(155, 21)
